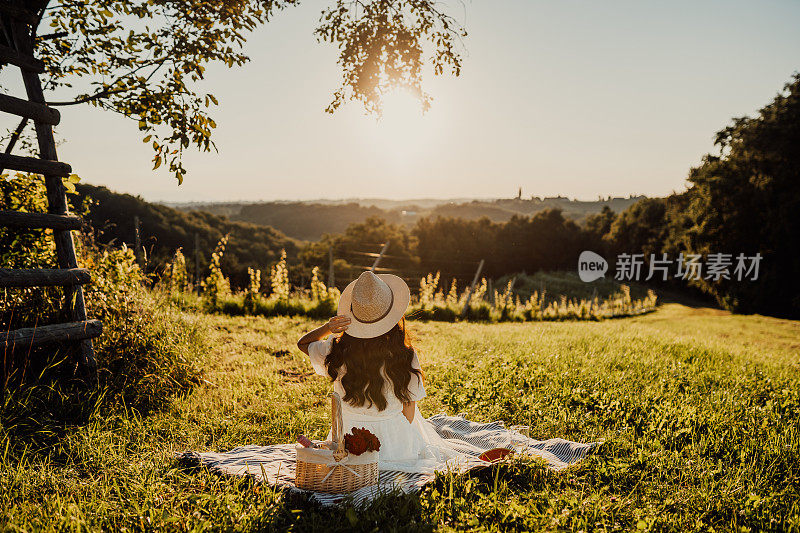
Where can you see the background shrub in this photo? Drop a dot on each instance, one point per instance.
(148, 350)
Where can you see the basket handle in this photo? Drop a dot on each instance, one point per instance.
(337, 427)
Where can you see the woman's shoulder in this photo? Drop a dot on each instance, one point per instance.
(322, 347)
(415, 360)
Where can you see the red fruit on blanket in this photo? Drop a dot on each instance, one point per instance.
(361, 440)
(494, 455)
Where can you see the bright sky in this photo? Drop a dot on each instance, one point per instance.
(578, 98)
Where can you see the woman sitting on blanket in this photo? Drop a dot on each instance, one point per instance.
(375, 369)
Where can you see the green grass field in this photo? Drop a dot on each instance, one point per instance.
(699, 410)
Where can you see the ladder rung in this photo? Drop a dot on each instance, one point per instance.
(19, 13)
(29, 63)
(70, 331)
(43, 277)
(20, 219)
(32, 110)
(35, 165)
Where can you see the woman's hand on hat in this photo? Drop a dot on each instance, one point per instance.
(338, 323)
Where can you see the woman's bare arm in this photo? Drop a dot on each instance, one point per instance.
(409, 408)
(336, 324)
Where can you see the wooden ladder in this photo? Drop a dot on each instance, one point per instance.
(18, 23)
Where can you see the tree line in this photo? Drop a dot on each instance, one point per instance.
(311, 220)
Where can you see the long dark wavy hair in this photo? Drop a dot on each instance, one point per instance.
(363, 360)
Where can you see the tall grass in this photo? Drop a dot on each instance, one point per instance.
(149, 350)
(430, 303)
(506, 306)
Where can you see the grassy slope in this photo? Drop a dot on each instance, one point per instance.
(699, 410)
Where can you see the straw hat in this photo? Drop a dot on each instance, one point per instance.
(374, 304)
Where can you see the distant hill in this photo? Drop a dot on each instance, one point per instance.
(310, 220)
(164, 229)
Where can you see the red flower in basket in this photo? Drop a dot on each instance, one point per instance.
(360, 441)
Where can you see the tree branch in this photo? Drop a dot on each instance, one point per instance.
(95, 96)
(158, 63)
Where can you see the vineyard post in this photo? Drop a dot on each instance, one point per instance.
(137, 241)
(331, 277)
(380, 256)
(471, 289)
(197, 261)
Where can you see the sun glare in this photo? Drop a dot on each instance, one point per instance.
(403, 133)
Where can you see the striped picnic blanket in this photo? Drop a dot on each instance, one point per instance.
(276, 463)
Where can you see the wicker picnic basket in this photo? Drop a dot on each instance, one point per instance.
(333, 469)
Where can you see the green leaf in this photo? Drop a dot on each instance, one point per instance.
(351, 516)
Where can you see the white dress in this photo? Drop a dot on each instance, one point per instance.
(407, 447)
